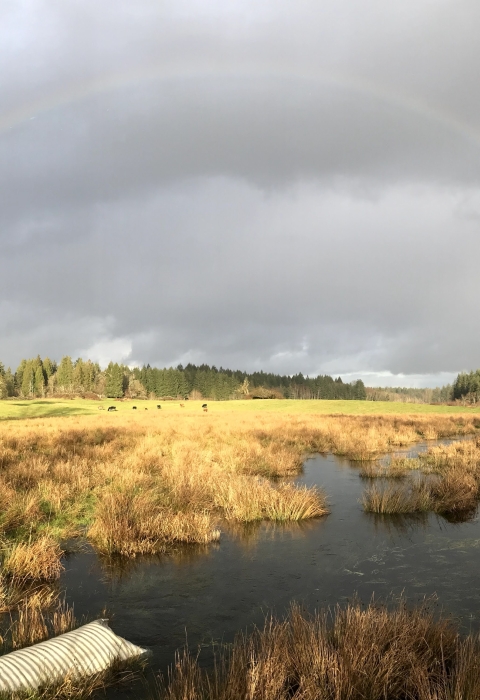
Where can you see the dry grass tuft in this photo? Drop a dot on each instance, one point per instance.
(395, 469)
(37, 617)
(132, 524)
(350, 653)
(33, 561)
(248, 500)
(456, 492)
(390, 499)
(120, 674)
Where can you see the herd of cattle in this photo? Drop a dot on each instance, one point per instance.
(134, 408)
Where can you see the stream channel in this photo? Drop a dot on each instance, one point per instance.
(209, 594)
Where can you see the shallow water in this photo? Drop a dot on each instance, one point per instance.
(212, 593)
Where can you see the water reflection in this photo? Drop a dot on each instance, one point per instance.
(117, 568)
(400, 524)
(248, 535)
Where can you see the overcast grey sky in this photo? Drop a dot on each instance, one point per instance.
(258, 184)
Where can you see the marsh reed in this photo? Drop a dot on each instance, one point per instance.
(390, 499)
(135, 484)
(350, 653)
(448, 484)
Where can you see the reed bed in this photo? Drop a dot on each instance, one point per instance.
(351, 653)
(141, 483)
(36, 619)
(449, 485)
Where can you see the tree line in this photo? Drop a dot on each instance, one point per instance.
(443, 394)
(39, 377)
(464, 390)
(466, 387)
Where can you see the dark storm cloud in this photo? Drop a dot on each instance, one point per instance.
(255, 185)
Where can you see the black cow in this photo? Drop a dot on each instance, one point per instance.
(134, 408)
(204, 405)
(112, 408)
(158, 406)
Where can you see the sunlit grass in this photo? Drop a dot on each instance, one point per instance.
(397, 499)
(138, 483)
(38, 560)
(38, 408)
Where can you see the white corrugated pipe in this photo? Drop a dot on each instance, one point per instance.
(83, 652)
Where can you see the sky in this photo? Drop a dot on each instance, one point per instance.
(255, 184)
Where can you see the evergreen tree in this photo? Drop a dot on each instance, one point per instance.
(359, 390)
(89, 375)
(78, 375)
(48, 368)
(114, 387)
(65, 374)
(28, 379)
(39, 381)
(19, 376)
(10, 382)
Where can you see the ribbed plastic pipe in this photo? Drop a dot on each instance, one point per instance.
(78, 654)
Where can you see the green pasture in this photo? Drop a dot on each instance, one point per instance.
(40, 408)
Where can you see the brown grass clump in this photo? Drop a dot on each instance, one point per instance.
(131, 524)
(395, 469)
(34, 561)
(456, 492)
(397, 499)
(351, 653)
(120, 674)
(257, 499)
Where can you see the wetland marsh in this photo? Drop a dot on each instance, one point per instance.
(228, 471)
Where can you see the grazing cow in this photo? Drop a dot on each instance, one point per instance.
(182, 405)
(146, 409)
(134, 408)
(204, 405)
(158, 406)
(112, 408)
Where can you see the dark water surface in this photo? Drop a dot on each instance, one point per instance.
(212, 593)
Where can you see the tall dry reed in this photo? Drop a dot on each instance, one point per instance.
(450, 487)
(67, 476)
(351, 653)
(33, 561)
(390, 499)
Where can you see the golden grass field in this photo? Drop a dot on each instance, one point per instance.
(137, 482)
(39, 408)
